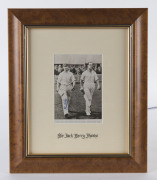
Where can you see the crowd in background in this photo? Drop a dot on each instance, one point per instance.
(77, 69)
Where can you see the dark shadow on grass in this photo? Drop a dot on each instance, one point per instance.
(82, 115)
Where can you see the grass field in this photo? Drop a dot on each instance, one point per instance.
(77, 105)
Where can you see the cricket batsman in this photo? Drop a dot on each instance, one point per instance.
(65, 84)
(87, 83)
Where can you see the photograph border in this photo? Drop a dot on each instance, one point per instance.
(17, 20)
(66, 121)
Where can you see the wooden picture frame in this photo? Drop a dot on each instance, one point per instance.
(135, 18)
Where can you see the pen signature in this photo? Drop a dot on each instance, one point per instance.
(65, 101)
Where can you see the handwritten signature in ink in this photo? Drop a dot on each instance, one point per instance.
(65, 103)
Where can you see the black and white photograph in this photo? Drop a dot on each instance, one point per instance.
(78, 86)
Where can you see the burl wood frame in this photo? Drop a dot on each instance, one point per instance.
(17, 20)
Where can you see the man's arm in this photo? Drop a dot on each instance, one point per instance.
(97, 81)
(58, 86)
(81, 84)
(82, 81)
(81, 88)
(98, 84)
(58, 82)
(73, 82)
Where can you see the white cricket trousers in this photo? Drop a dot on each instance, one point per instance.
(65, 93)
(89, 90)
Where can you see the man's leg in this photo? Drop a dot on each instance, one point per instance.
(68, 97)
(91, 90)
(64, 98)
(65, 103)
(88, 100)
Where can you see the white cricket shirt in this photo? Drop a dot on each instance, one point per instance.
(66, 78)
(89, 77)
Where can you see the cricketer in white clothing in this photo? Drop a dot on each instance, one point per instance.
(65, 84)
(87, 82)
